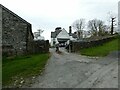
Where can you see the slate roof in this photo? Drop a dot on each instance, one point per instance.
(57, 31)
(54, 34)
(73, 35)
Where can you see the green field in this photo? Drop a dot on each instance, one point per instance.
(24, 66)
(101, 50)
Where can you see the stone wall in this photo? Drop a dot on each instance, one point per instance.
(76, 46)
(0, 47)
(0, 33)
(39, 46)
(29, 37)
(17, 36)
(15, 33)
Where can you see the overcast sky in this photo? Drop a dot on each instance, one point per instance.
(49, 14)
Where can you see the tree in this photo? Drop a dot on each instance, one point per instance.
(79, 25)
(97, 27)
(106, 30)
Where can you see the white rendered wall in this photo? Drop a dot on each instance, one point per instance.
(63, 34)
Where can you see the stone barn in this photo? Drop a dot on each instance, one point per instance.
(16, 33)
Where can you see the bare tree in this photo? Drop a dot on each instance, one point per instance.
(79, 25)
(96, 26)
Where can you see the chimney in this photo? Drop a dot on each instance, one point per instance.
(58, 28)
(70, 29)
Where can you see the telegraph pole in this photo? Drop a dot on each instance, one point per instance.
(112, 24)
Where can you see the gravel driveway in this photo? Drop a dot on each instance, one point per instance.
(69, 70)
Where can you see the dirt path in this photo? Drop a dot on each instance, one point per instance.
(68, 70)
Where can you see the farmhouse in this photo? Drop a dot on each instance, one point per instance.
(16, 33)
(61, 36)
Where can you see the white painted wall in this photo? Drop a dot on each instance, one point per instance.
(52, 40)
(63, 34)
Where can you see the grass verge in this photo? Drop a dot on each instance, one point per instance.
(101, 50)
(24, 66)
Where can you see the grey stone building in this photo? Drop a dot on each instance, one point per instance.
(16, 33)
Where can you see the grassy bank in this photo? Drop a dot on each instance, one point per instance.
(102, 50)
(25, 66)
